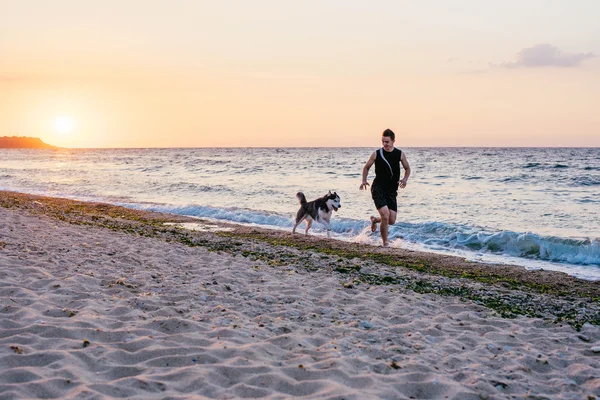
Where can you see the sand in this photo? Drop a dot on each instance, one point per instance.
(93, 310)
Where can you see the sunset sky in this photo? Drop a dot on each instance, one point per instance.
(148, 73)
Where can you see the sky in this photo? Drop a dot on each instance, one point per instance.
(193, 73)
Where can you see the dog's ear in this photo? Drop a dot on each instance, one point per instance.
(329, 194)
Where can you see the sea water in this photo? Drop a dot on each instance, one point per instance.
(534, 207)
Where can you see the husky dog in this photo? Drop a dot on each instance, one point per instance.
(319, 210)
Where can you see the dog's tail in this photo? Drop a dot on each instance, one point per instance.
(301, 198)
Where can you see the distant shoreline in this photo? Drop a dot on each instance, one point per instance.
(23, 142)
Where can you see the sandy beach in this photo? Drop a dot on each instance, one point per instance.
(99, 301)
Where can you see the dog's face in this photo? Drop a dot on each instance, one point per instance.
(333, 200)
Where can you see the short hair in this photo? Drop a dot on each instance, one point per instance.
(389, 133)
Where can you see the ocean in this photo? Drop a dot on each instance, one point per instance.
(534, 207)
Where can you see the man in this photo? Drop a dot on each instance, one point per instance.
(384, 190)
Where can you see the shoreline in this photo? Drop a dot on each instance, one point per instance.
(99, 300)
(421, 271)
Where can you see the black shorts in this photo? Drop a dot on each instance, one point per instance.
(384, 197)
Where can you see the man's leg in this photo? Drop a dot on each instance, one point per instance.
(384, 215)
(379, 199)
(374, 222)
(392, 203)
(392, 218)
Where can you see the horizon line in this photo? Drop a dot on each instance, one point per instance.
(323, 147)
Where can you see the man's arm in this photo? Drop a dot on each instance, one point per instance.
(365, 171)
(406, 167)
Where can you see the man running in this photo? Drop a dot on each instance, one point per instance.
(384, 190)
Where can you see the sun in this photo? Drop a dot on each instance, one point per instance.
(64, 124)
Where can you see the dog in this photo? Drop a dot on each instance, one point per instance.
(319, 210)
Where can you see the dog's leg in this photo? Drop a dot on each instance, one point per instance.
(325, 223)
(298, 220)
(308, 225)
(296, 223)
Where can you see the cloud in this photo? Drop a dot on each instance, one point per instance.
(474, 72)
(546, 55)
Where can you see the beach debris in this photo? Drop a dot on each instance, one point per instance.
(17, 349)
(583, 337)
(499, 384)
(122, 283)
(366, 324)
(70, 313)
(86, 343)
(596, 349)
(394, 365)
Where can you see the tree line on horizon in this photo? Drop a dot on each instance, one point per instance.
(23, 142)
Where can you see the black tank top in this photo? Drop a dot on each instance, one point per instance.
(387, 174)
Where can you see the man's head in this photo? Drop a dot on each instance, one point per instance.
(387, 139)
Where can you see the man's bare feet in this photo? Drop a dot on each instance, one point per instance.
(373, 224)
(386, 244)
